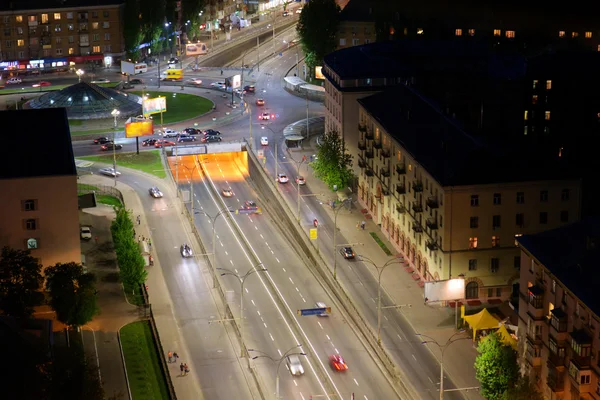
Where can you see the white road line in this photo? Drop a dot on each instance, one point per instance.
(328, 338)
(272, 338)
(386, 318)
(295, 383)
(231, 262)
(253, 303)
(280, 354)
(414, 357)
(399, 337)
(258, 312)
(282, 268)
(336, 350)
(430, 379)
(291, 281)
(355, 381)
(246, 289)
(261, 236)
(277, 260)
(265, 324)
(320, 325)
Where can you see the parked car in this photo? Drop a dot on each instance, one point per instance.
(169, 133)
(154, 192)
(149, 142)
(294, 365)
(13, 81)
(110, 172)
(185, 250)
(186, 138)
(299, 11)
(136, 81)
(111, 146)
(211, 138)
(264, 141)
(85, 232)
(285, 14)
(227, 192)
(191, 131)
(211, 132)
(161, 143)
(337, 362)
(102, 140)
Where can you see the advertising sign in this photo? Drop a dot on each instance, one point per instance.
(154, 106)
(196, 49)
(136, 128)
(313, 233)
(319, 73)
(447, 290)
(127, 68)
(233, 82)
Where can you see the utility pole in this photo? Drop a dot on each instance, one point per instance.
(158, 71)
(257, 54)
(307, 134)
(273, 34)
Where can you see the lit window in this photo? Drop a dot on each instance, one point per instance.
(525, 129)
(419, 31)
(548, 85)
(19, 18)
(588, 35)
(599, 47)
(495, 241)
(56, 16)
(574, 34)
(95, 25)
(534, 99)
(32, 18)
(472, 32)
(510, 34)
(71, 50)
(96, 49)
(561, 34)
(526, 115)
(458, 32)
(497, 32)
(20, 43)
(473, 243)
(547, 115)
(535, 82)
(44, 18)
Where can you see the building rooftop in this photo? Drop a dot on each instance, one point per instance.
(572, 254)
(18, 5)
(445, 150)
(402, 57)
(44, 145)
(358, 10)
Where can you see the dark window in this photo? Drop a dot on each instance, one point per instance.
(30, 224)
(490, 292)
(517, 262)
(472, 265)
(472, 290)
(520, 197)
(543, 217)
(474, 222)
(496, 221)
(564, 195)
(105, 13)
(544, 196)
(474, 200)
(564, 216)
(520, 219)
(494, 264)
(497, 199)
(29, 205)
(498, 292)
(94, 14)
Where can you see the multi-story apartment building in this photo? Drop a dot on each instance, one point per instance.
(41, 35)
(451, 204)
(356, 25)
(40, 207)
(559, 312)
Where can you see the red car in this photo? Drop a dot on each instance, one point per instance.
(161, 143)
(337, 362)
(41, 83)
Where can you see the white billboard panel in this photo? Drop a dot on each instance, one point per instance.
(127, 68)
(451, 289)
(233, 82)
(196, 49)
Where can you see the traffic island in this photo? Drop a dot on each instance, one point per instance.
(146, 161)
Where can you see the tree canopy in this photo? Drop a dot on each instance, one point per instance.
(317, 28)
(72, 293)
(495, 367)
(20, 282)
(524, 389)
(130, 260)
(333, 163)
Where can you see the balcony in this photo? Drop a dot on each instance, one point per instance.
(559, 323)
(417, 186)
(369, 154)
(400, 208)
(417, 227)
(369, 135)
(581, 343)
(386, 153)
(535, 302)
(385, 190)
(556, 360)
(369, 171)
(377, 144)
(386, 172)
(362, 127)
(532, 359)
(556, 381)
(417, 207)
(431, 245)
(400, 189)
(400, 169)
(432, 202)
(431, 224)
(362, 145)
(361, 162)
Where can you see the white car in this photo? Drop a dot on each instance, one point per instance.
(85, 232)
(12, 81)
(218, 85)
(110, 172)
(299, 11)
(169, 133)
(227, 192)
(264, 116)
(300, 180)
(264, 141)
(155, 192)
(195, 81)
(294, 365)
(101, 80)
(282, 178)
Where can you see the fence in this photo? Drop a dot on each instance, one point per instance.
(83, 188)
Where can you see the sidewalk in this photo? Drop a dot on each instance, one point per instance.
(432, 320)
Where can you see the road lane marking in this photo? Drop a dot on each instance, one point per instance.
(399, 337)
(265, 324)
(414, 357)
(386, 318)
(280, 354)
(336, 350)
(246, 289)
(253, 303)
(328, 338)
(355, 381)
(261, 236)
(297, 290)
(272, 338)
(295, 383)
(320, 324)
(277, 260)
(282, 268)
(258, 312)
(291, 281)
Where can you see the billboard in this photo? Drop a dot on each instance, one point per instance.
(233, 82)
(319, 73)
(196, 49)
(451, 289)
(127, 68)
(139, 127)
(154, 106)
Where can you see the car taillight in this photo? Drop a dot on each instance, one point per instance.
(272, 115)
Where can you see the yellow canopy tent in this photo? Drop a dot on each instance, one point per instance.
(482, 320)
(506, 337)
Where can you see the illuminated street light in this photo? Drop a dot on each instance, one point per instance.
(115, 113)
(79, 73)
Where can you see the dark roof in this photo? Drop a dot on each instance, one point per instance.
(358, 10)
(445, 150)
(44, 145)
(18, 5)
(572, 254)
(401, 57)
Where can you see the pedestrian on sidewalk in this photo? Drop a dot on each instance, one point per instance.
(139, 219)
(149, 243)
(134, 233)
(151, 262)
(143, 238)
(221, 72)
(362, 225)
(139, 238)
(186, 370)
(181, 368)
(96, 239)
(175, 356)
(170, 355)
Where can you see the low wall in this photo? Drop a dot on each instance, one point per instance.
(298, 87)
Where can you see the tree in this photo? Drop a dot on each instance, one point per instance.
(72, 293)
(333, 164)
(524, 389)
(130, 260)
(286, 4)
(20, 282)
(495, 367)
(317, 28)
(132, 29)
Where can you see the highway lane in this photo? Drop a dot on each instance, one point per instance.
(327, 335)
(214, 363)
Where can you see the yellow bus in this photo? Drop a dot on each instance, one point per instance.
(173, 75)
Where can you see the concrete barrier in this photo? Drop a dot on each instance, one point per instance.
(298, 87)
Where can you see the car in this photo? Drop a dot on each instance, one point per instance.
(239, 92)
(285, 14)
(320, 304)
(250, 205)
(294, 365)
(194, 81)
(161, 143)
(111, 146)
(186, 138)
(300, 180)
(337, 362)
(173, 60)
(101, 80)
(282, 178)
(13, 81)
(218, 85)
(41, 83)
(154, 192)
(249, 89)
(110, 172)
(185, 250)
(211, 132)
(149, 142)
(347, 252)
(265, 116)
(227, 192)
(169, 133)
(299, 11)
(211, 138)
(260, 102)
(136, 81)
(264, 141)
(102, 140)
(85, 232)
(191, 131)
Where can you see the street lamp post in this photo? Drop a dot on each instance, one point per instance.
(278, 360)
(115, 113)
(335, 215)
(242, 280)
(443, 350)
(213, 221)
(79, 73)
(191, 179)
(167, 24)
(380, 270)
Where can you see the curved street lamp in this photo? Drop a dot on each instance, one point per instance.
(79, 73)
(115, 113)
(278, 360)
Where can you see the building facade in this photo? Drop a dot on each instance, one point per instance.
(451, 205)
(82, 31)
(559, 318)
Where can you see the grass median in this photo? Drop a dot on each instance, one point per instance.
(180, 106)
(146, 161)
(146, 378)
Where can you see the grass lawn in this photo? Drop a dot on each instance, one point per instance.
(83, 188)
(146, 378)
(108, 200)
(104, 131)
(147, 161)
(381, 244)
(181, 106)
